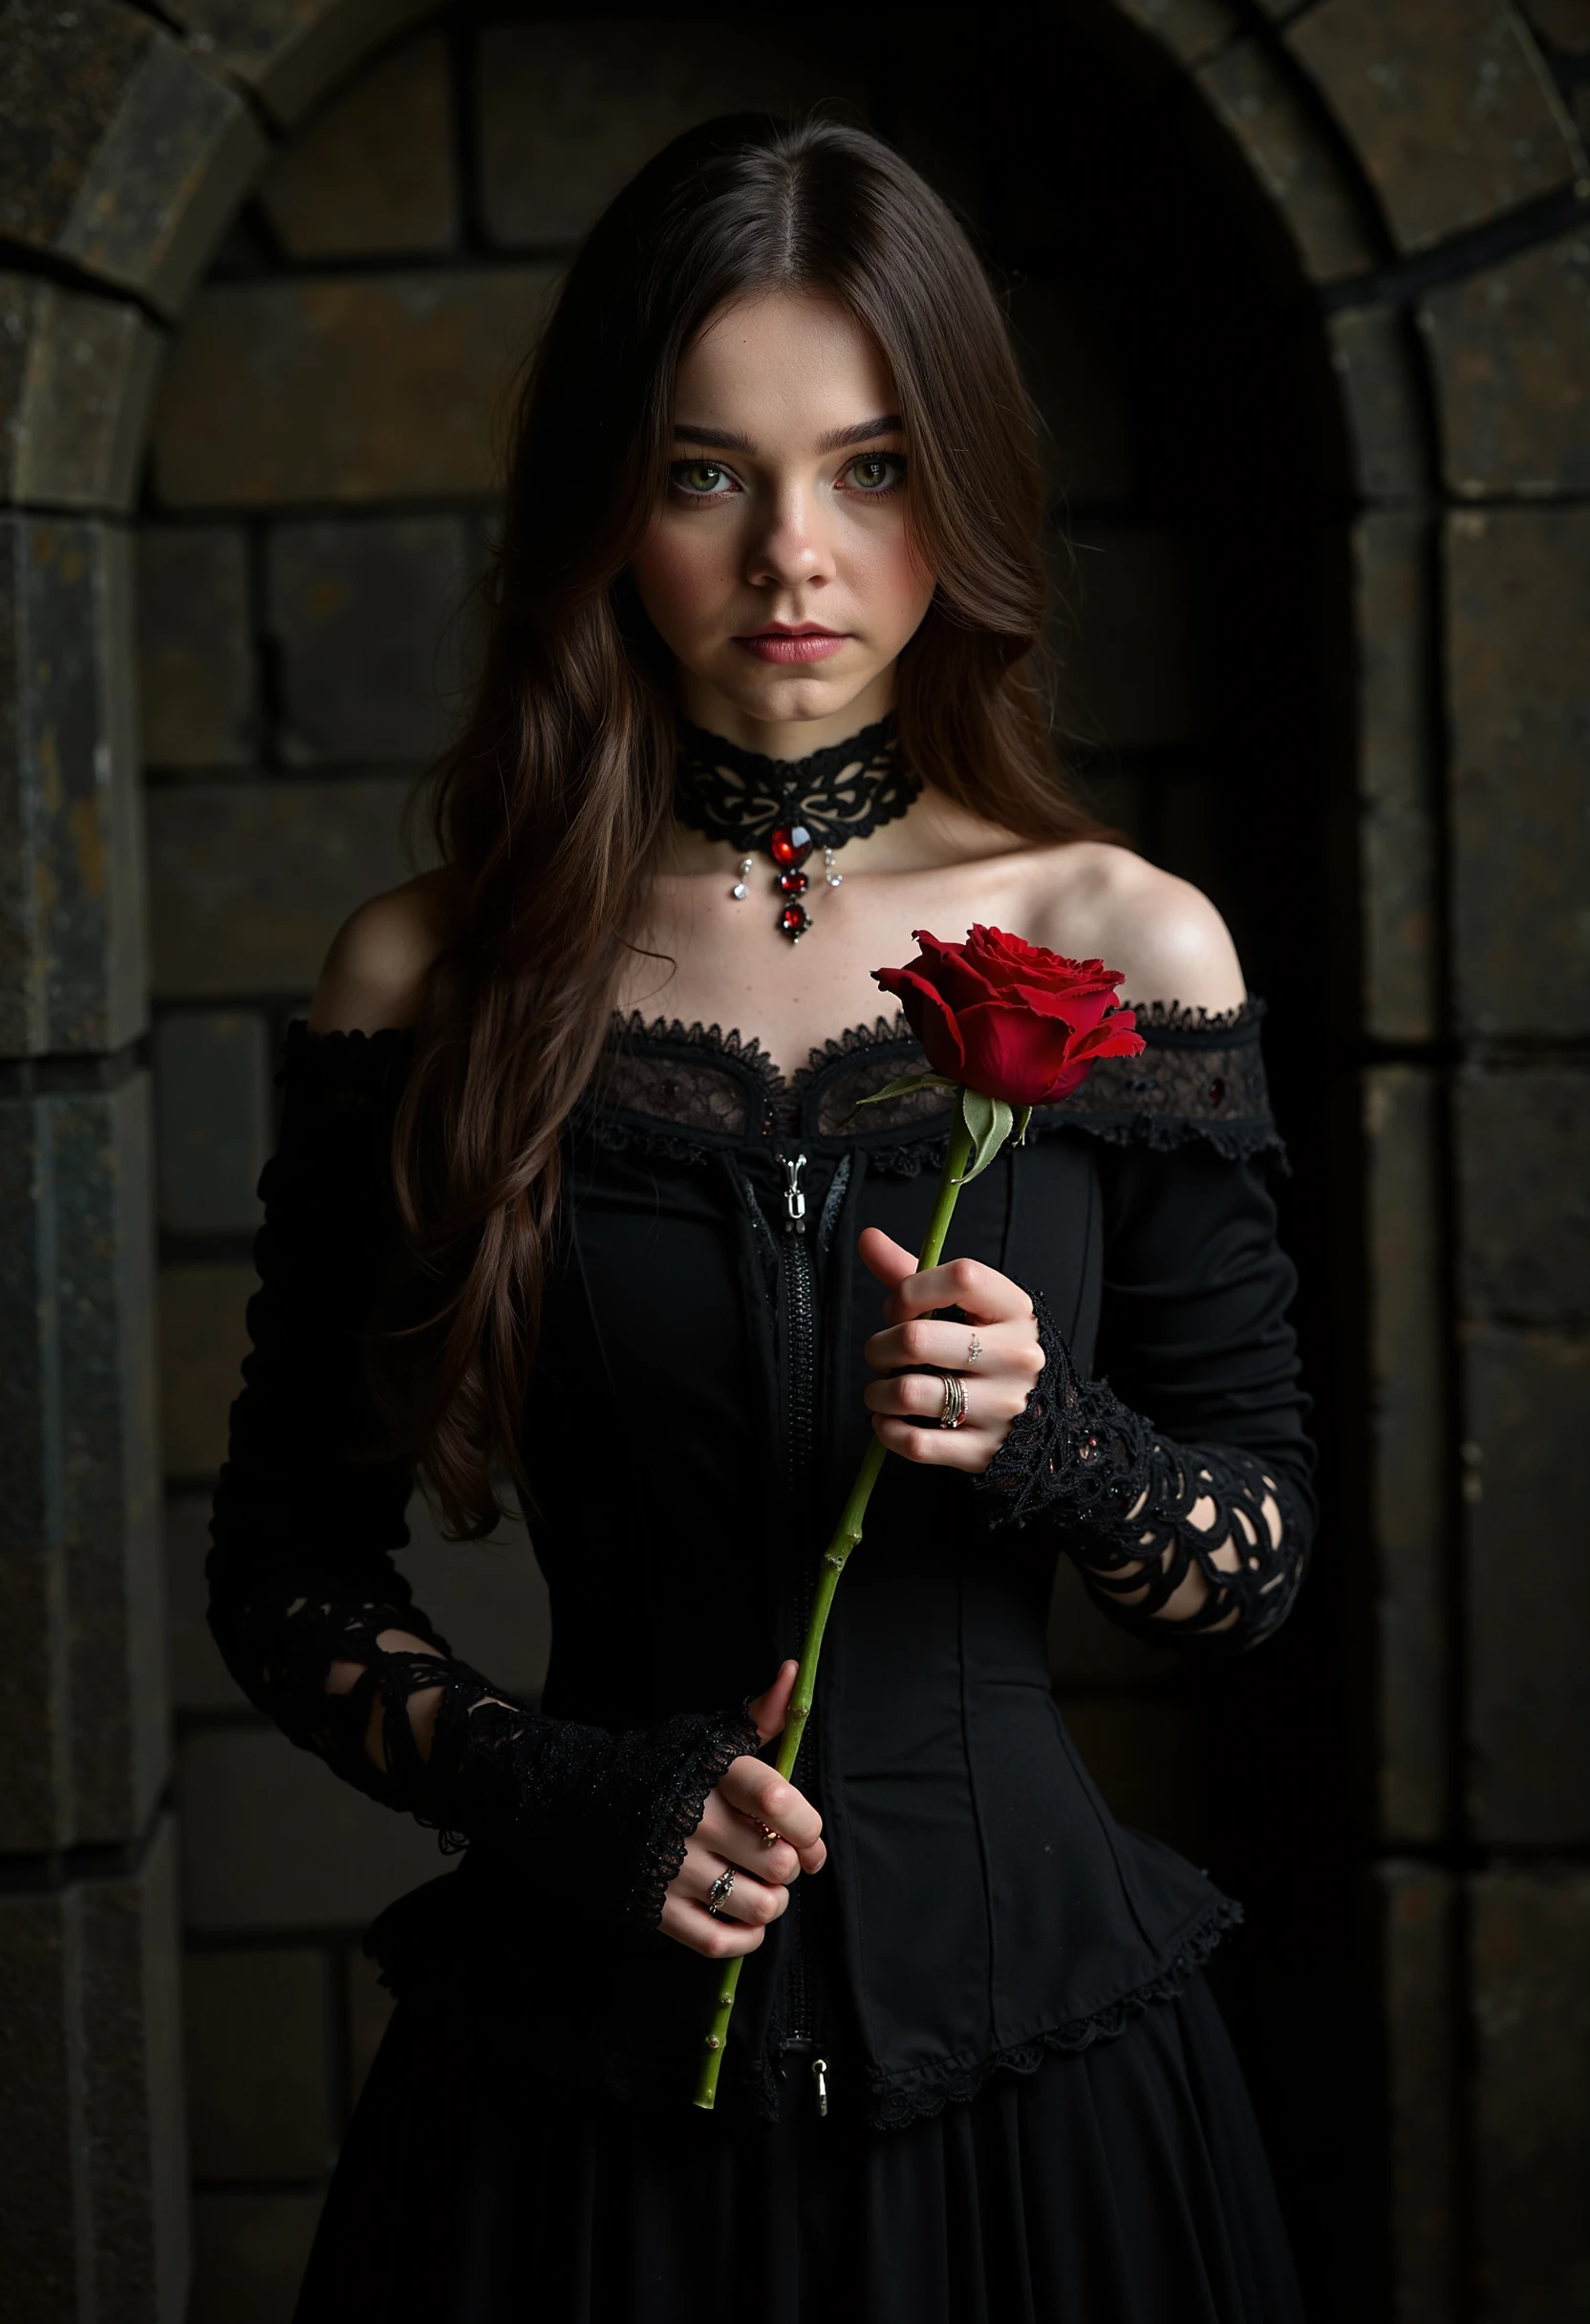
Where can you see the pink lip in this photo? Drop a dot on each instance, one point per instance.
(805, 644)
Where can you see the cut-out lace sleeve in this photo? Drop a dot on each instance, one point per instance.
(1193, 1331)
(310, 1508)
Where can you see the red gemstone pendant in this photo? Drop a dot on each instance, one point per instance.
(793, 883)
(790, 845)
(793, 921)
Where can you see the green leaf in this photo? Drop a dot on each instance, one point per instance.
(907, 1081)
(988, 1121)
(1023, 1123)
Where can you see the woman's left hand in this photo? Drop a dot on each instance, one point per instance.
(995, 1353)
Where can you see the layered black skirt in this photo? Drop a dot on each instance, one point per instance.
(1123, 2183)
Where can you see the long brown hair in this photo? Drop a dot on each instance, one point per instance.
(549, 810)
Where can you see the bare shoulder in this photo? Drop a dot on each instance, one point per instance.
(1095, 901)
(376, 970)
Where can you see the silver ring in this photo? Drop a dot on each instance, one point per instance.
(720, 1891)
(955, 1402)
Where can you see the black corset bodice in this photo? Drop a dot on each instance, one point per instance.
(695, 1421)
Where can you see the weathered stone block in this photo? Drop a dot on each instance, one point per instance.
(1519, 600)
(1404, 1139)
(1528, 1588)
(371, 622)
(288, 51)
(1512, 350)
(386, 388)
(1135, 666)
(273, 1839)
(1531, 2014)
(200, 1680)
(109, 1486)
(71, 963)
(1077, 379)
(1292, 162)
(203, 1345)
(372, 175)
(1418, 1912)
(251, 881)
(1190, 28)
(1397, 779)
(83, 1709)
(1376, 362)
(256, 2043)
(570, 110)
(117, 151)
(250, 2252)
(212, 1085)
(35, 1800)
(77, 380)
(1524, 1158)
(1449, 108)
(1147, 1760)
(44, 2145)
(195, 656)
(138, 2151)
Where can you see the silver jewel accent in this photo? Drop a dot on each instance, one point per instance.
(955, 1402)
(974, 1350)
(741, 891)
(718, 1894)
(835, 879)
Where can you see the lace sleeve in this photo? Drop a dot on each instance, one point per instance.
(310, 1508)
(1192, 1461)
(1139, 1512)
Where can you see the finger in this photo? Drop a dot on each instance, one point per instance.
(761, 1792)
(963, 1448)
(979, 1291)
(987, 1351)
(889, 1260)
(740, 1840)
(754, 1901)
(991, 1405)
(686, 1922)
(770, 1710)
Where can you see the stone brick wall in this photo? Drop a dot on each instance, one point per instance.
(1302, 291)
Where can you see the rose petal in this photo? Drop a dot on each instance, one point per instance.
(929, 1017)
(947, 966)
(1011, 1052)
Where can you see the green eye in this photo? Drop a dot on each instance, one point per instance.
(876, 472)
(702, 477)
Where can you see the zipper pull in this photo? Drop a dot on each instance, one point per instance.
(794, 1201)
(819, 2075)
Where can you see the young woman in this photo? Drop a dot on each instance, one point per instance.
(770, 582)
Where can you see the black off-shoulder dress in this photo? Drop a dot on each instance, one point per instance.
(1027, 2107)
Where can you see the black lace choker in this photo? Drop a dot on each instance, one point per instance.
(785, 807)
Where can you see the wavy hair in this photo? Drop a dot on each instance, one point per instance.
(549, 809)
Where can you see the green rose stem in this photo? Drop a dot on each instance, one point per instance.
(835, 1558)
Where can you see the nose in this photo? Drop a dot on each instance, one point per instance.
(792, 547)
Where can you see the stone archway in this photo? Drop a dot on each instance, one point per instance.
(1427, 184)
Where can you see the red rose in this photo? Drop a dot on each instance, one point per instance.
(1010, 1019)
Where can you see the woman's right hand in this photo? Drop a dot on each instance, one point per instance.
(730, 1834)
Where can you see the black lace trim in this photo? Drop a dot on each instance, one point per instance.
(1121, 1496)
(893, 2107)
(499, 1772)
(845, 791)
(1200, 1079)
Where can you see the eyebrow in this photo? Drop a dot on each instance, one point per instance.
(837, 440)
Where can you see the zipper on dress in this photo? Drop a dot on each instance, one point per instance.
(799, 1322)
